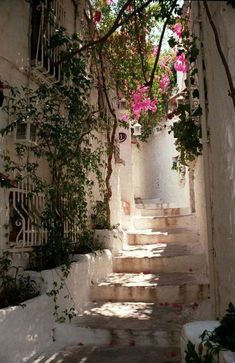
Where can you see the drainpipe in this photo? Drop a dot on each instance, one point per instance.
(198, 31)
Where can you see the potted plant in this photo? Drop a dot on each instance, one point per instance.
(110, 237)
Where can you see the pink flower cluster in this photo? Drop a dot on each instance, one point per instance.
(155, 50)
(177, 29)
(125, 117)
(108, 2)
(181, 63)
(142, 103)
(164, 82)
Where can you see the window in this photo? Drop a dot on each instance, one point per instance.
(47, 15)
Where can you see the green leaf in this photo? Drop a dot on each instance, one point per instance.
(172, 42)
(195, 93)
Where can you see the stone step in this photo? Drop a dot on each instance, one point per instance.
(161, 212)
(110, 354)
(163, 235)
(152, 205)
(160, 258)
(161, 287)
(126, 324)
(184, 221)
(155, 203)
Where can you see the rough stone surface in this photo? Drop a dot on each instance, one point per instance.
(94, 354)
(186, 221)
(161, 235)
(161, 257)
(138, 317)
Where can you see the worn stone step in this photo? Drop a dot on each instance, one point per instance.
(161, 235)
(184, 221)
(141, 324)
(161, 258)
(110, 354)
(161, 287)
(161, 212)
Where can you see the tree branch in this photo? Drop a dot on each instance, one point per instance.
(110, 139)
(117, 23)
(139, 47)
(222, 56)
(150, 83)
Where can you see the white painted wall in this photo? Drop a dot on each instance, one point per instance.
(153, 174)
(15, 33)
(200, 203)
(126, 171)
(220, 119)
(25, 332)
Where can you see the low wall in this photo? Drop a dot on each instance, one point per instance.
(26, 331)
(192, 331)
(115, 239)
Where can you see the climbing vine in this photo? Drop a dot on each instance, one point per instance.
(122, 55)
(15, 287)
(66, 144)
(187, 128)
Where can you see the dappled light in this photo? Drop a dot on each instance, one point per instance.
(116, 180)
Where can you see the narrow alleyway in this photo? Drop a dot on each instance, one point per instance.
(158, 284)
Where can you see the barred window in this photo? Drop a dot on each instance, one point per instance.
(47, 15)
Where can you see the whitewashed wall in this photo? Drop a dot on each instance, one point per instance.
(126, 171)
(15, 33)
(15, 39)
(220, 116)
(200, 203)
(153, 174)
(29, 330)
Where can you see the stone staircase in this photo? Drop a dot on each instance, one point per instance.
(158, 284)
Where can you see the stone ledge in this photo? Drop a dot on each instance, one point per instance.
(25, 332)
(192, 332)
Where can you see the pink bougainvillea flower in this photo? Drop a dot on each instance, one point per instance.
(125, 117)
(181, 63)
(177, 29)
(164, 82)
(155, 50)
(142, 103)
(97, 16)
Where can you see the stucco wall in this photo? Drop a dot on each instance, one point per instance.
(154, 177)
(200, 203)
(15, 40)
(221, 147)
(26, 331)
(126, 171)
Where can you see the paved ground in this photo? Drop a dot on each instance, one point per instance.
(131, 354)
(137, 316)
